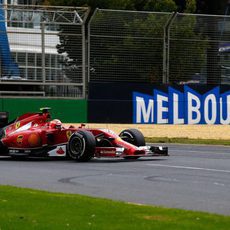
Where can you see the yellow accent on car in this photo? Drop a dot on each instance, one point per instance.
(17, 125)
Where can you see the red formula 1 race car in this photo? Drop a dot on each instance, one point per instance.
(35, 134)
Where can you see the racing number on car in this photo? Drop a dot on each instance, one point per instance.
(68, 134)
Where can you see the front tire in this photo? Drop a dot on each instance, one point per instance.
(81, 146)
(133, 136)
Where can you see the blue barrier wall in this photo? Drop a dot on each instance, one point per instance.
(159, 104)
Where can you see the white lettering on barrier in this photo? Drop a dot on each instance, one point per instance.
(209, 109)
(161, 109)
(193, 109)
(227, 120)
(210, 100)
(143, 113)
(176, 119)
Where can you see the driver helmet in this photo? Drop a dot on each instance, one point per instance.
(55, 124)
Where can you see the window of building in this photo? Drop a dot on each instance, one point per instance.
(21, 58)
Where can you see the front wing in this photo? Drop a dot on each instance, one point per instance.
(112, 152)
(142, 151)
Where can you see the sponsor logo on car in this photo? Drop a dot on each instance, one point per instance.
(60, 151)
(68, 134)
(17, 125)
(19, 139)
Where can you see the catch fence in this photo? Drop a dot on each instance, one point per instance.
(171, 48)
(56, 51)
(43, 51)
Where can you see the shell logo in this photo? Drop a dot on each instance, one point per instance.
(60, 151)
(34, 140)
(19, 139)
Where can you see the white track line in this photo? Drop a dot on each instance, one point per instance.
(189, 168)
(199, 151)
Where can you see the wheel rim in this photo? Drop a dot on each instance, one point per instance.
(77, 147)
(106, 143)
(129, 137)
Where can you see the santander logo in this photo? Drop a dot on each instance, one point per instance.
(60, 151)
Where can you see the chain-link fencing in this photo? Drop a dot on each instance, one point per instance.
(199, 49)
(126, 46)
(56, 51)
(152, 47)
(43, 51)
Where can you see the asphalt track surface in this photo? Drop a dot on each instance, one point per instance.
(192, 178)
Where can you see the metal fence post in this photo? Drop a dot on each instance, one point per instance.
(83, 61)
(164, 78)
(166, 49)
(43, 52)
(88, 53)
(89, 42)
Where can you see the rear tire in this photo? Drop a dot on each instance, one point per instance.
(81, 146)
(3, 149)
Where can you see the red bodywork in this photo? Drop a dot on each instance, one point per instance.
(34, 131)
(34, 134)
(31, 131)
(126, 149)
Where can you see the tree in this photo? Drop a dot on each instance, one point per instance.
(160, 6)
(138, 52)
(134, 55)
(136, 49)
(188, 46)
(139, 5)
(70, 46)
(213, 62)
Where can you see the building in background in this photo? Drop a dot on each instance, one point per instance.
(8, 67)
(27, 38)
(37, 38)
(22, 2)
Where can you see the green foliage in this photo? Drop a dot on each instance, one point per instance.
(135, 51)
(190, 6)
(119, 4)
(160, 6)
(149, 44)
(187, 48)
(62, 2)
(139, 5)
(103, 4)
(147, 52)
(141, 44)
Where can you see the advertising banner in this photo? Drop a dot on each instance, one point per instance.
(160, 104)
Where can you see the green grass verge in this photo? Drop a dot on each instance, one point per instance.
(32, 209)
(187, 141)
